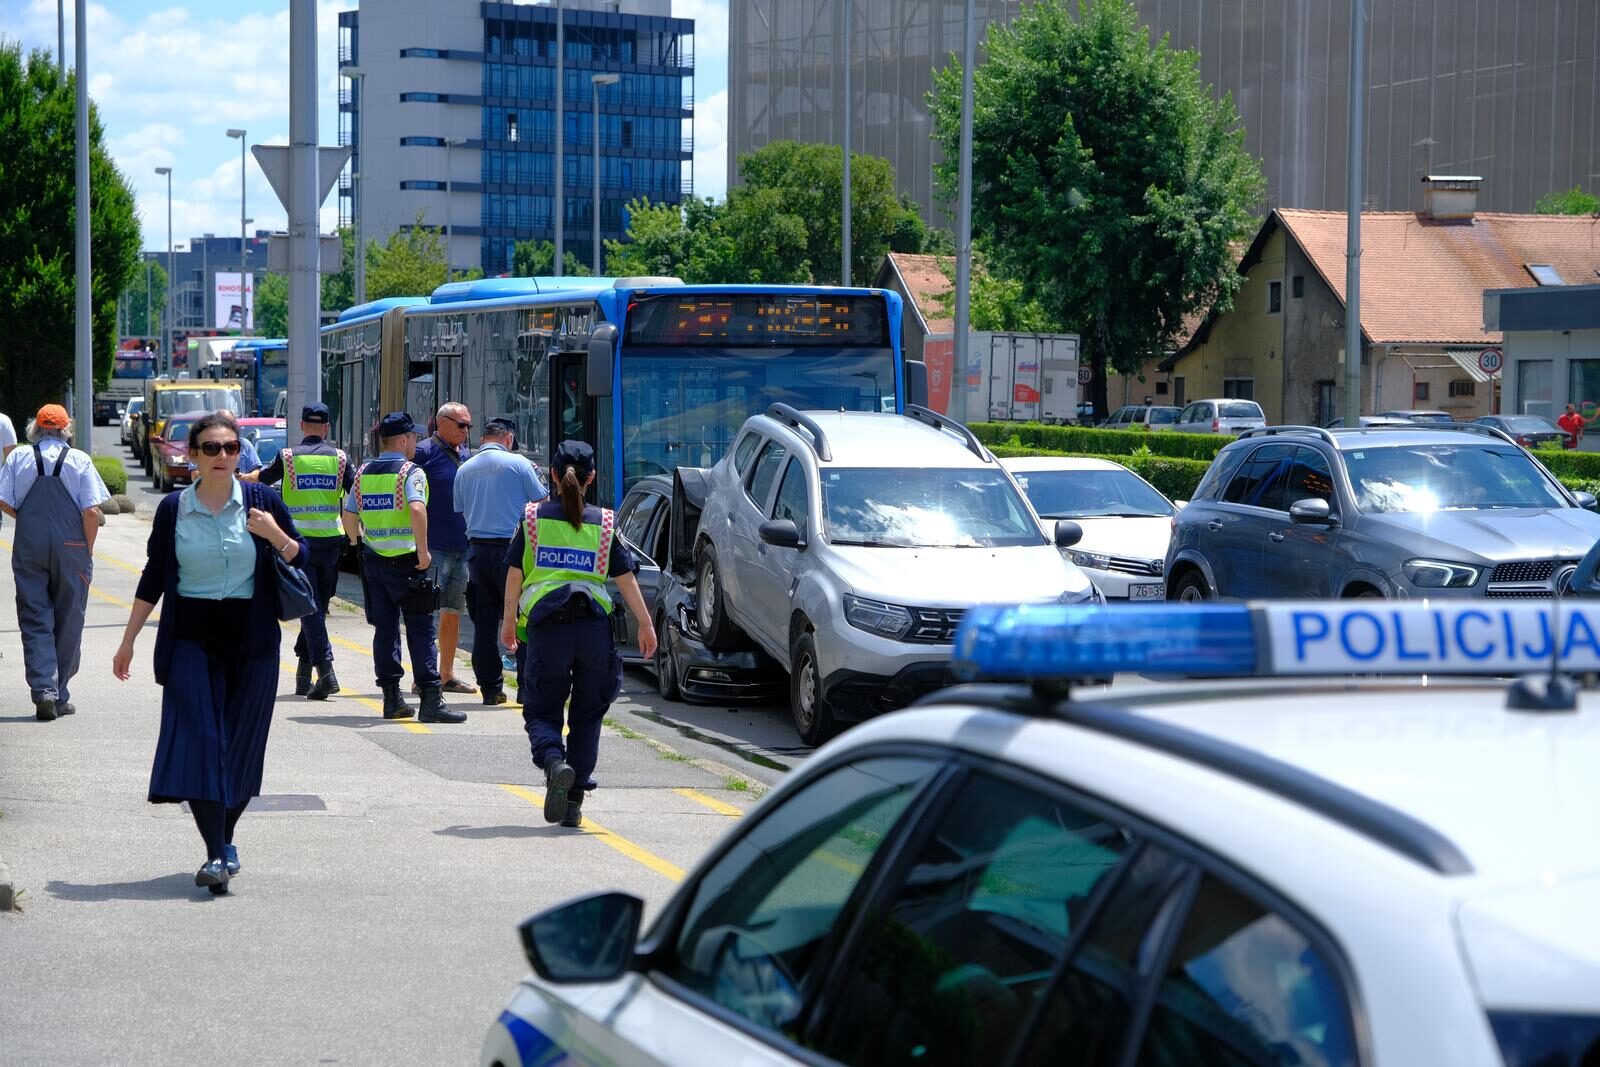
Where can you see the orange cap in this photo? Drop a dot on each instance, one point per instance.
(52, 417)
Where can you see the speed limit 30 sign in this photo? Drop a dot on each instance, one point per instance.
(1490, 360)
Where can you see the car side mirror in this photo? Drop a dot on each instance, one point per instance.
(590, 939)
(1587, 501)
(1180, 504)
(1068, 533)
(597, 364)
(781, 533)
(1313, 511)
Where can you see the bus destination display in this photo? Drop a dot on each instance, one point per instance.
(758, 319)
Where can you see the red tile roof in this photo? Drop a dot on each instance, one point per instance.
(926, 282)
(1423, 281)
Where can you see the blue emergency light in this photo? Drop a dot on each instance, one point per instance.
(1040, 642)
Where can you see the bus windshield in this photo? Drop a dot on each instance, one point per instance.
(129, 366)
(174, 401)
(681, 407)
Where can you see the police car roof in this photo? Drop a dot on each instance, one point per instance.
(884, 439)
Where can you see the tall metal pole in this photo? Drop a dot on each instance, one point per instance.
(964, 181)
(305, 298)
(449, 231)
(83, 370)
(61, 40)
(360, 180)
(561, 137)
(844, 217)
(146, 330)
(1352, 268)
(244, 247)
(594, 91)
(205, 280)
(166, 312)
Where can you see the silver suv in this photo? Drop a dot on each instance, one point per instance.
(849, 544)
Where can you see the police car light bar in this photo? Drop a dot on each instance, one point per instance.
(1281, 638)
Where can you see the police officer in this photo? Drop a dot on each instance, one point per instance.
(54, 492)
(388, 507)
(492, 489)
(556, 601)
(315, 477)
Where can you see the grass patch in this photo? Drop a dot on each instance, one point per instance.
(113, 473)
(626, 731)
(673, 756)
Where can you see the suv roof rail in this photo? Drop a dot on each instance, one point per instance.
(1425, 427)
(1271, 431)
(945, 422)
(790, 417)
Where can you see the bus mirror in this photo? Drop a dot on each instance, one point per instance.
(598, 365)
(916, 382)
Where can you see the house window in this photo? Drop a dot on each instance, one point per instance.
(511, 125)
(1419, 392)
(420, 98)
(1274, 297)
(1239, 388)
(1463, 387)
(1326, 397)
(1179, 391)
(1298, 286)
(1161, 389)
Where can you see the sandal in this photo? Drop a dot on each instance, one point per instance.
(456, 685)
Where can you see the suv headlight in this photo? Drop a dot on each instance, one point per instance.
(875, 617)
(1437, 574)
(1096, 560)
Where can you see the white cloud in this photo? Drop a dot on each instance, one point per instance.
(711, 146)
(711, 93)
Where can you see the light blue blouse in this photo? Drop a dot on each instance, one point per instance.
(216, 554)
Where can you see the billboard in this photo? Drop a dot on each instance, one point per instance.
(232, 301)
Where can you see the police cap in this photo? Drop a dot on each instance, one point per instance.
(500, 424)
(315, 413)
(395, 424)
(576, 455)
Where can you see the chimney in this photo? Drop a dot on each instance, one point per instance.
(1450, 197)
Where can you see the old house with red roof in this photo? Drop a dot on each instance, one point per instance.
(1423, 279)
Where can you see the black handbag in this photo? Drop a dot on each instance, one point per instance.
(296, 598)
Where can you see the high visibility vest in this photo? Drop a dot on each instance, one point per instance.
(556, 556)
(385, 515)
(312, 490)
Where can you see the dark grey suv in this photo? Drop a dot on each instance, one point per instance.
(1416, 511)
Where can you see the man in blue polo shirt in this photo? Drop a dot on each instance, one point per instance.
(439, 456)
(491, 490)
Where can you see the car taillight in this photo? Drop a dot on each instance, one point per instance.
(1524, 441)
(1216, 425)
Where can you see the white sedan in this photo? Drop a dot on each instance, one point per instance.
(130, 415)
(1126, 521)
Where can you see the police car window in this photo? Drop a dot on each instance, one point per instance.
(1244, 986)
(975, 932)
(637, 521)
(765, 472)
(746, 449)
(1427, 478)
(792, 501)
(1260, 482)
(1310, 477)
(752, 936)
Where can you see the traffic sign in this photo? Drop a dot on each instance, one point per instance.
(1490, 361)
(1085, 375)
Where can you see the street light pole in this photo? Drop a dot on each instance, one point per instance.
(596, 81)
(61, 41)
(844, 219)
(356, 74)
(147, 294)
(83, 370)
(166, 314)
(561, 137)
(1352, 268)
(449, 226)
(244, 249)
(964, 185)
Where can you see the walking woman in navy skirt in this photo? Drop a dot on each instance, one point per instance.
(216, 657)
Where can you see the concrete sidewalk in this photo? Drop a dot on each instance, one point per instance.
(384, 869)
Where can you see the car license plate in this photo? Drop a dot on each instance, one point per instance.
(1147, 591)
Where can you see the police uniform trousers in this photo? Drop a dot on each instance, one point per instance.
(384, 580)
(52, 568)
(322, 568)
(216, 708)
(569, 653)
(486, 592)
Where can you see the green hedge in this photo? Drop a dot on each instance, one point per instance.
(1564, 463)
(113, 473)
(1081, 440)
(1174, 476)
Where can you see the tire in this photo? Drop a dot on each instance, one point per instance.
(711, 611)
(1192, 589)
(813, 715)
(666, 666)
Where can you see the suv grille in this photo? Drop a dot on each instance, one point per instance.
(934, 626)
(1135, 565)
(1535, 570)
(1533, 579)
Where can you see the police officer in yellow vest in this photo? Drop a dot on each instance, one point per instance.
(388, 506)
(315, 477)
(556, 601)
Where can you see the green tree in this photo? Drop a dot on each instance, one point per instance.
(272, 305)
(910, 233)
(1573, 201)
(134, 323)
(410, 263)
(1000, 304)
(37, 218)
(685, 241)
(338, 289)
(537, 259)
(1106, 177)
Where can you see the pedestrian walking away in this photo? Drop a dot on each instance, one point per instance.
(388, 509)
(556, 602)
(315, 477)
(210, 564)
(54, 492)
(491, 491)
(1572, 422)
(440, 456)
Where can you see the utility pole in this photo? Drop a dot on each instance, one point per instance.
(305, 299)
(561, 137)
(61, 41)
(964, 182)
(166, 314)
(83, 370)
(1354, 195)
(847, 8)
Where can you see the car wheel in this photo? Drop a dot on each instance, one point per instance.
(666, 666)
(711, 612)
(1192, 590)
(813, 715)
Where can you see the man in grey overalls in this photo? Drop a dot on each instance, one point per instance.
(55, 494)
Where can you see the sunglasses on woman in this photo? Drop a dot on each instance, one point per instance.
(217, 448)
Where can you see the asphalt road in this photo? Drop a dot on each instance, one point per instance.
(385, 867)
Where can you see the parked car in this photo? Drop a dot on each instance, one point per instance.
(268, 435)
(130, 415)
(1220, 416)
(1369, 420)
(1135, 416)
(1433, 418)
(1126, 521)
(684, 667)
(1413, 511)
(169, 452)
(848, 545)
(1529, 431)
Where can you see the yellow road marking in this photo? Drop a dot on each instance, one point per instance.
(606, 837)
(97, 594)
(117, 563)
(718, 806)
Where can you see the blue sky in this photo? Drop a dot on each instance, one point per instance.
(169, 78)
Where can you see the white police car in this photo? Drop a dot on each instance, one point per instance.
(1282, 870)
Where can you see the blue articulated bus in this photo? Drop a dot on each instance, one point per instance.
(261, 365)
(656, 374)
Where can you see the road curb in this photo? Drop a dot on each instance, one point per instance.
(8, 893)
(710, 766)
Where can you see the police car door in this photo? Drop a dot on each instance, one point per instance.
(1299, 559)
